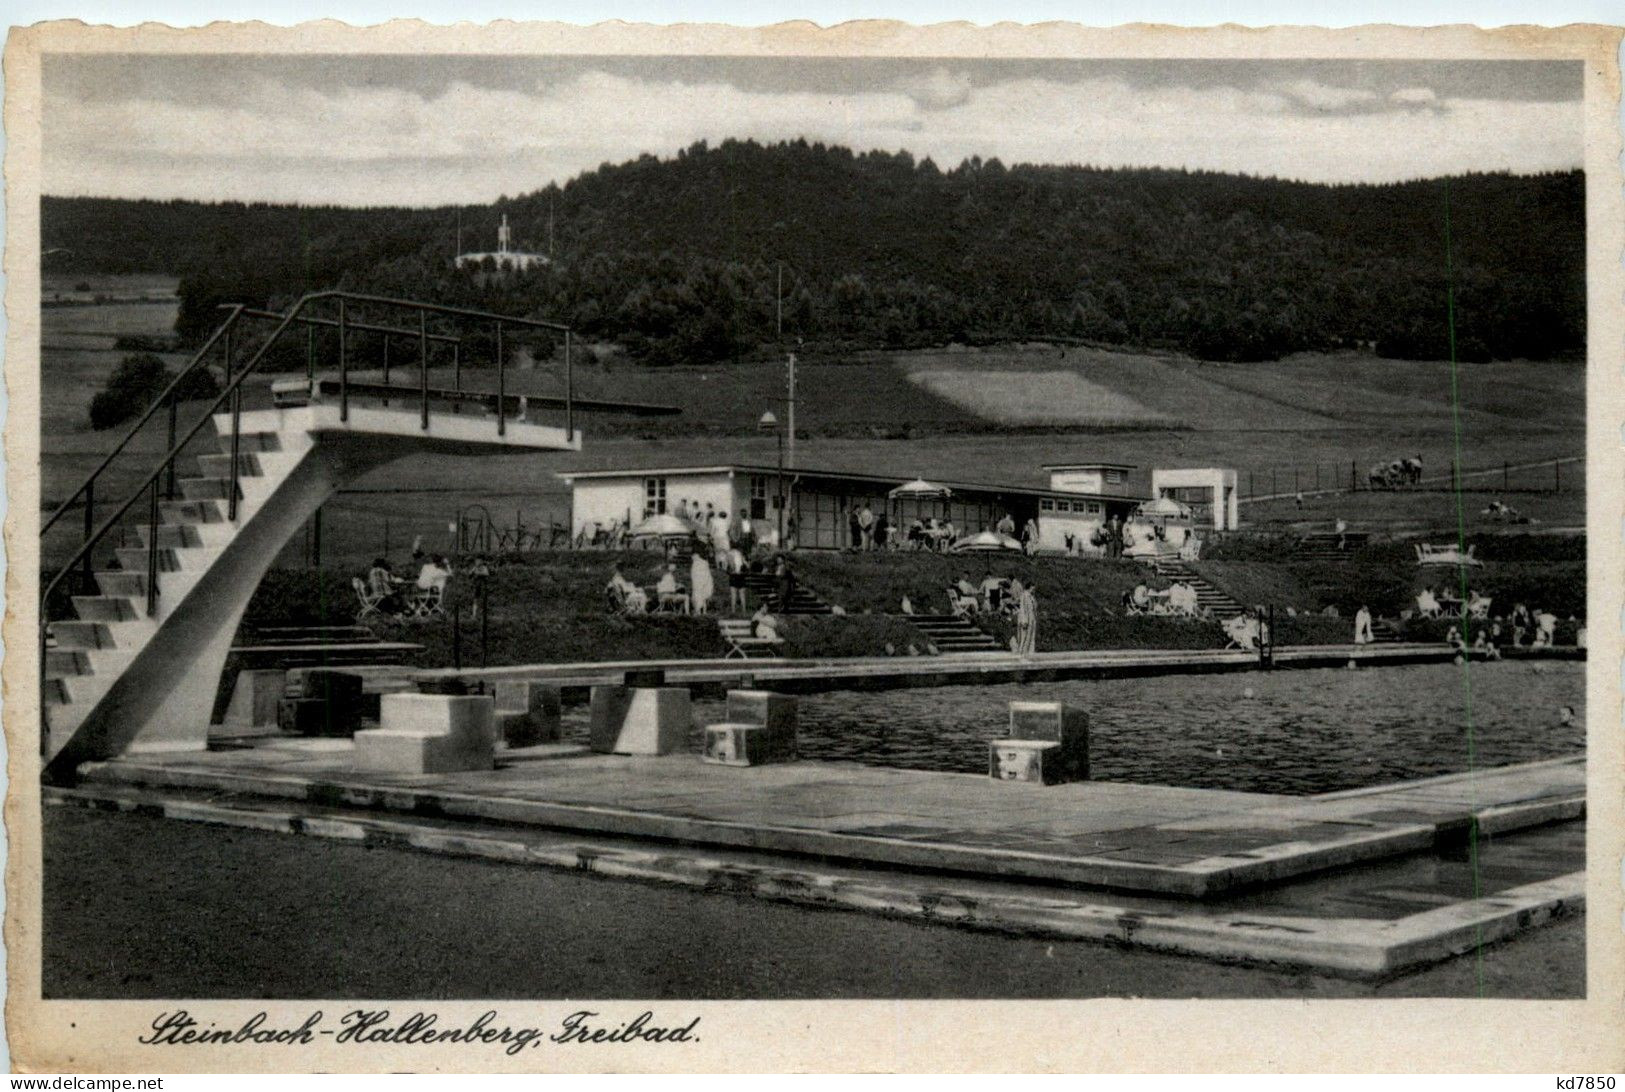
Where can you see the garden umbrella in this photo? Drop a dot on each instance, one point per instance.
(986, 543)
(662, 526)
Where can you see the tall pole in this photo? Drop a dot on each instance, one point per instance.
(781, 489)
(790, 412)
(778, 304)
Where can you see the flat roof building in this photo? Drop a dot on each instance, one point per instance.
(1072, 515)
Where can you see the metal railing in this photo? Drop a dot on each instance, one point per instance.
(162, 478)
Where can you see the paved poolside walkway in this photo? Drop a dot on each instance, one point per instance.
(952, 669)
(1149, 838)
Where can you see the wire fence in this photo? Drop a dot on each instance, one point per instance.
(1552, 475)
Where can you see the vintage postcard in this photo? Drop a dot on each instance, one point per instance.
(552, 548)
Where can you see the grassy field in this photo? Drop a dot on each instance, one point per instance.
(1039, 398)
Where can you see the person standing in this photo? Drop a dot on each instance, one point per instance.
(735, 567)
(747, 533)
(1362, 626)
(1026, 640)
(700, 585)
(866, 524)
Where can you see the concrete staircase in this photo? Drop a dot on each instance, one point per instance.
(803, 601)
(86, 656)
(953, 633)
(1207, 596)
(119, 678)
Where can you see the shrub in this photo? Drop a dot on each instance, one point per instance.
(819, 637)
(139, 379)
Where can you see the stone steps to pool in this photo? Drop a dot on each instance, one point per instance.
(1190, 843)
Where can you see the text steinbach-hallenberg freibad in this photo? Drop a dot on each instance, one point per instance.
(373, 1027)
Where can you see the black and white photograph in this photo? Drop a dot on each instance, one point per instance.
(818, 519)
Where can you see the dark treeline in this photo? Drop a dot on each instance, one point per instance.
(678, 258)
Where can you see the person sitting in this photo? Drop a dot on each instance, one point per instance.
(764, 624)
(633, 599)
(386, 586)
(992, 590)
(669, 593)
(916, 535)
(967, 590)
(1545, 629)
(1427, 604)
(1140, 598)
(1453, 638)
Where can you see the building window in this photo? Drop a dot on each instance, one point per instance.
(654, 495)
(1094, 509)
(1046, 504)
(758, 496)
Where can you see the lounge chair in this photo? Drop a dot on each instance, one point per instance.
(1427, 606)
(961, 604)
(430, 602)
(369, 601)
(743, 643)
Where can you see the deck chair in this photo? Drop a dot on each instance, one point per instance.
(742, 642)
(430, 602)
(368, 600)
(1479, 607)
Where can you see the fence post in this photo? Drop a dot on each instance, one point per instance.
(485, 618)
(457, 636)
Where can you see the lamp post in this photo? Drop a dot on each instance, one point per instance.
(769, 421)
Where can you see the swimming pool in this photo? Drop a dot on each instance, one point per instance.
(1300, 731)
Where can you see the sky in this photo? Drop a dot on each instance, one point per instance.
(435, 130)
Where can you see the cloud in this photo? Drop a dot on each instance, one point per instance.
(393, 145)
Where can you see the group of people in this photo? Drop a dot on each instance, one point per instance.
(1179, 598)
(668, 594)
(1523, 628)
(997, 596)
(1434, 604)
(398, 595)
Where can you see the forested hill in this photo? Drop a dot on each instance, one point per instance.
(677, 257)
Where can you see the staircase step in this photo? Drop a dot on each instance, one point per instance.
(206, 488)
(250, 441)
(170, 534)
(219, 466)
(63, 662)
(81, 634)
(122, 582)
(104, 608)
(134, 559)
(192, 511)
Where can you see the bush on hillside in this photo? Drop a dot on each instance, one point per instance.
(808, 637)
(138, 380)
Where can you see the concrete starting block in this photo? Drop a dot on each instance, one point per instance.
(253, 710)
(639, 721)
(1048, 744)
(745, 745)
(527, 713)
(429, 733)
(760, 729)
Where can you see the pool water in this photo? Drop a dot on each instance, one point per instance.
(1299, 731)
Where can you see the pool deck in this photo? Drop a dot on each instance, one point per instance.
(713, 676)
(1181, 842)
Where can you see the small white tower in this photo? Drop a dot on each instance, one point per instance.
(503, 235)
